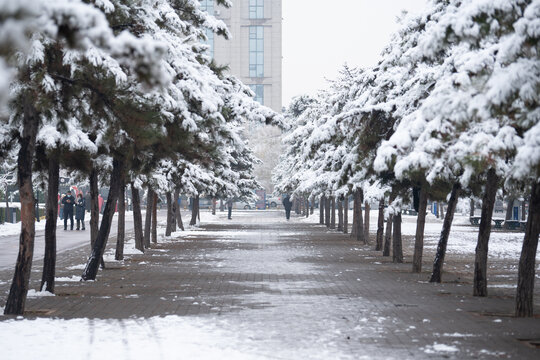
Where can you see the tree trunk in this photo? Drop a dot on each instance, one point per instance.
(214, 206)
(397, 245)
(366, 222)
(312, 206)
(441, 211)
(19, 287)
(419, 237)
(8, 219)
(148, 217)
(527, 266)
(327, 206)
(322, 206)
(333, 212)
(380, 226)
(154, 218)
(388, 235)
(480, 262)
(346, 214)
(509, 208)
(174, 205)
(307, 207)
(94, 210)
(195, 211)
(49, 260)
(340, 214)
(443, 240)
(358, 222)
(168, 229)
(117, 178)
(221, 205)
(471, 209)
(177, 212)
(523, 211)
(137, 218)
(121, 233)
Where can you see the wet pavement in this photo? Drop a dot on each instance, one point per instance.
(295, 289)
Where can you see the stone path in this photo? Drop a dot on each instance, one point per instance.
(295, 287)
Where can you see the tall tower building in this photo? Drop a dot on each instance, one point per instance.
(253, 54)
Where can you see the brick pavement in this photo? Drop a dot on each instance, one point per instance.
(296, 280)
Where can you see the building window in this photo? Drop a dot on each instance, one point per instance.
(256, 9)
(256, 51)
(259, 92)
(208, 6)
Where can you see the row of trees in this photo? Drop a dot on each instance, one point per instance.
(120, 93)
(451, 108)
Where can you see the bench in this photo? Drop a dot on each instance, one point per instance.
(475, 220)
(498, 223)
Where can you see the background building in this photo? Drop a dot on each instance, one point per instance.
(253, 54)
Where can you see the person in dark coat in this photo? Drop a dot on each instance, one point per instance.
(68, 201)
(229, 207)
(80, 209)
(287, 204)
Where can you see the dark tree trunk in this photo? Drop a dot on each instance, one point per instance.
(307, 207)
(177, 212)
(523, 211)
(340, 214)
(420, 224)
(358, 222)
(527, 266)
(509, 208)
(471, 209)
(443, 240)
(8, 213)
(49, 261)
(148, 217)
(137, 218)
(297, 204)
(366, 222)
(170, 214)
(154, 218)
(327, 206)
(380, 226)
(195, 211)
(441, 211)
(19, 287)
(117, 178)
(397, 245)
(322, 206)
(480, 262)
(346, 214)
(221, 205)
(214, 206)
(94, 210)
(388, 235)
(121, 232)
(174, 208)
(312, 206)
(333, 212)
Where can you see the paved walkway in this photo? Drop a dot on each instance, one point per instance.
(299, 289)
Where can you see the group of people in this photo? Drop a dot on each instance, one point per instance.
(69, 202)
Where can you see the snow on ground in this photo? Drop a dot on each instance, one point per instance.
(8, 229)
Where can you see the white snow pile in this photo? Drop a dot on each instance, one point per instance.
(440, 348)
(33, 293)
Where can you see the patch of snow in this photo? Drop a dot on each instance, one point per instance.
(33, 293)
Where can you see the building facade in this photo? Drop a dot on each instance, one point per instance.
(253, 54)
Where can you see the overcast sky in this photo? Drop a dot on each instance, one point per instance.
(319, 36)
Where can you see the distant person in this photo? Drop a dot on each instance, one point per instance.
(68, 201)
(100, 203)
(229, 208)
(287, 204)
(80, 209)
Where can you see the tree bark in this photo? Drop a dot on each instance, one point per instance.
(441, 211)
(420, 225)
(523, 211)
(527, 266)
(177, 212)
(388, 235)
(322, 206)
(312, 206)
(117, 177)
(195, 211)
(168, 229)
(148, 217)
(137, 218)
(154, 218)
(366, 221)
(49, 260)
(358, 222)
(397, 245)
(509, 208)
(443, 240)
(94, 206)
(340, 214)
(380, 226)
(472, 207)
(307, 207)
(346, 214)
(214, 206)
(480, 262)
(333, 212)
(19, 287)
(121, 232)
(327, 206)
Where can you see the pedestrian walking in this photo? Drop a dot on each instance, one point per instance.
(229, 208)
(287, 204)
(68, 201)
(80, 209)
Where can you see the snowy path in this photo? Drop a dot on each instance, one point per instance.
(258, 287)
